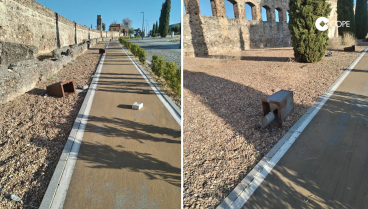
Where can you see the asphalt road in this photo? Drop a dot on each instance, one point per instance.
(160, 46)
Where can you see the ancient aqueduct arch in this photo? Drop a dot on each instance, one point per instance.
(218, 35)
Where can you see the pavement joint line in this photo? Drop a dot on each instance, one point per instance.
(242, 193)
(59, 183)
(170, 105)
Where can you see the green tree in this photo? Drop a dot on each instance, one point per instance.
(131, 31)
(345, 12)
(165, 18)
(176, 28)
(361, 19)
(309, 43)
(156, 31)
(103, 27)
(160, 20)
(153, 29)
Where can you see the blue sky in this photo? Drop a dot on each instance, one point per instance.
(85, 12)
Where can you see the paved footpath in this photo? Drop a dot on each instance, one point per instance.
(128, 158)
(327, 166)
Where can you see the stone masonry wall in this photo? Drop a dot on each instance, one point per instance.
(219, 35)
(30, 23)
(28, 29)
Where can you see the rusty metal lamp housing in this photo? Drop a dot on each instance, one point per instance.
(276, 107)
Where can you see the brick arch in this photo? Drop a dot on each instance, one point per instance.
(269, 12)
(255, 15)
(282, 13)
(239, 11)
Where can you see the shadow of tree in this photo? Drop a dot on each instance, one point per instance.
(250, 58)
(117, 127)
(325, 166)
(104, 156)
(230, 101)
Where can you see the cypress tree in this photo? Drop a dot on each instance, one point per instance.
(165, 18)
(156, 26)
(345, 12)
(361, 19)
(309, 43)
(153, 29)
(161, 18)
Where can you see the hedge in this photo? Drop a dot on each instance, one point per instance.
(169, 70)
(135, 49)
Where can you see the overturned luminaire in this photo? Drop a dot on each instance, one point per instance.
(350, 49)
(276, 107)
(61, 89)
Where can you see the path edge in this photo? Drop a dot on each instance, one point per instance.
(242, 192)
(61, 167)
(163, 94)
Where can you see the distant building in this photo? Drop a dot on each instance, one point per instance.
(119, 28)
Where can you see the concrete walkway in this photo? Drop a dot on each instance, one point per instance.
(128, 158)
(327, 165)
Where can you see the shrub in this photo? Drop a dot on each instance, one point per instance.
(177, 87)
(348, 39)
(309, 43)
(134, 49)
(128, 45)
(142, 55)
(173, 76)
(157, 65)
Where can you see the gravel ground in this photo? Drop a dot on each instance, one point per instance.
(160, 46)
(222, 105)
(34, 130)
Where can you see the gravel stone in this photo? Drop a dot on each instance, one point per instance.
(34, 130)
(222, 100)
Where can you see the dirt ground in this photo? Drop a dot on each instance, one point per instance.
(222, 105)
(34, 130)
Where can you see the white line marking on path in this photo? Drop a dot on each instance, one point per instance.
(62, 190)
(259, 177)
(157, 92)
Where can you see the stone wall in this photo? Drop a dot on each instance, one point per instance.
(28, 29)
(219, 35)
(22, 76)
(30, 23)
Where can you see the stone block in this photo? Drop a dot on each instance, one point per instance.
(13, 52)
(137, 106)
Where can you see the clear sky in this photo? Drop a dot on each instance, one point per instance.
(84, 12)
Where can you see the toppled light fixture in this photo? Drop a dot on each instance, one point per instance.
(276, 107)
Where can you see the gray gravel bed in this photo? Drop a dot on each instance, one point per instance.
(160, 46)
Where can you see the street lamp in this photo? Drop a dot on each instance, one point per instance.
(146, 26)
(142, 25)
